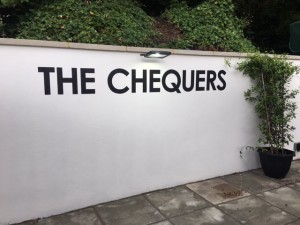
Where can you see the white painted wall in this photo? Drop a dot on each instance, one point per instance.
(63, 152)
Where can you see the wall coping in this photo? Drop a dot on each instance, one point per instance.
(114, 48)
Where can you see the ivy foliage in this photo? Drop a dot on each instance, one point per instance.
(103, 22)
(205, 24)
(272, 97)
(211, 25)
(11, 3)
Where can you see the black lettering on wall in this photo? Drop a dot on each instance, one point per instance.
(61, 80)
(171, 80)
(199, 80)
(135, 80)
(175, 86)
(211, 77)
(221, 88)
(46, 71)
(154, 80)
(84, 80)
(184, 81)
(110, 83)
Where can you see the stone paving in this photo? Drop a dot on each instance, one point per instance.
(242, 198)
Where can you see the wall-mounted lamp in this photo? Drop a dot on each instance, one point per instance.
(156, 54)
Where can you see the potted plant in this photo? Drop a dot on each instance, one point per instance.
(273, 101)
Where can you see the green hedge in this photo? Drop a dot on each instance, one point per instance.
(103, 22)
(11, 3)
(208, 25)
(211, 25)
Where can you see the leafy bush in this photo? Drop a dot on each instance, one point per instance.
(212, 25)
(1, 27)
(11, 2)
(272, 97)
(102, 22)
(206, 25)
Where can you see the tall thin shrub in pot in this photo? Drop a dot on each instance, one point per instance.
(273, 100)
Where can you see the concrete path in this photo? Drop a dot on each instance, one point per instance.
(243, 198)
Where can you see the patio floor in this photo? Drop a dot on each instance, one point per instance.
(243, 198)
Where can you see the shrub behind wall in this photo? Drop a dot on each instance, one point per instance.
(211, 25)
(102, 22)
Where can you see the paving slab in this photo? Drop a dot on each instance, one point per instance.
(176, 201)
(25, 223)
(291, 178)
(284, 198)
(295, 186)
(251, 182)
(252, 210)
(207, 216)
(258, 171)
(80, 217)
(130, 211)
(297, 222)
(217, 190)
(162, 223)
(296, 166)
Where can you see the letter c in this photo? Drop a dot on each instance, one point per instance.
(110, 83)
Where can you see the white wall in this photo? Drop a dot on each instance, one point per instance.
(63, 152)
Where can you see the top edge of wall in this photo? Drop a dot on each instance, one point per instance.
(114, 48)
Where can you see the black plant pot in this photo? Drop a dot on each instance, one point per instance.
(276, 165)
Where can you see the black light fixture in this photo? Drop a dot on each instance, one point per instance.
(156, 54)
